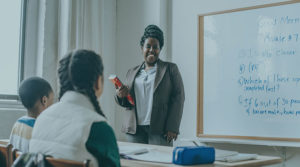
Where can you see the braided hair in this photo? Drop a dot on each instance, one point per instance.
(153, 31)
(79, 71)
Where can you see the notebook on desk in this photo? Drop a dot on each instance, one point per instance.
(145, 154)
(233, 156)
(132, 150)
(221, 154)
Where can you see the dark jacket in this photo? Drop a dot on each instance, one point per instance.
(168, 99)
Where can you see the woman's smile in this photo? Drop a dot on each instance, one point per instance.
(151, 51)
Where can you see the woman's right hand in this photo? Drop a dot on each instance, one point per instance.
(123, 91)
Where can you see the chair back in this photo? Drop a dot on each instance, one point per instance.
(5, 154)
(15, 154)
(54, 162)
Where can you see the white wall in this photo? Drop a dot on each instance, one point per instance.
(108, 53)
(185, 52)
(185, 47)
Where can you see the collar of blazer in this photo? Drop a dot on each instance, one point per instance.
(160, 72)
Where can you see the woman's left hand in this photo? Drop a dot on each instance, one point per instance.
(170, 136)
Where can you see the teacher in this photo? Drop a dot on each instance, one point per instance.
(157, 89)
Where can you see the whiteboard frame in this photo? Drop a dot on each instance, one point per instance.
(271, 143)
(200, 126)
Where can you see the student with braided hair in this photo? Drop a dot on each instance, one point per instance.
(158, 92)
(75, 128)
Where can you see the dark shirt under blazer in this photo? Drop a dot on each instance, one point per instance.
(168, 99)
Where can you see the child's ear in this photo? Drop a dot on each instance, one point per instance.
(44, 100)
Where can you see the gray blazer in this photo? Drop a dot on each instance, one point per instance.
(168, 99)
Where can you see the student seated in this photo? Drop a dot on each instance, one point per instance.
(36, 95)
(75, 128)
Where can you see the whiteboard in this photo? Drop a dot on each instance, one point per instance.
(251, 74)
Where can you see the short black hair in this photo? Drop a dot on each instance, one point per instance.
(153, 31)
(33, 89)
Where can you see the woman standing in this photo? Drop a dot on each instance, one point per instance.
(158, 91)
(75, 128)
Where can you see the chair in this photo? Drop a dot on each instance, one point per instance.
(15, 154)
(54, 162)
(5, 154)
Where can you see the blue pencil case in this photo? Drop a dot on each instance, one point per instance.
(192, 155)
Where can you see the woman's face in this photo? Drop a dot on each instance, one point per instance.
(151, 51)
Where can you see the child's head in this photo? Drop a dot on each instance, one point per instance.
(36, 95)
(82, 71)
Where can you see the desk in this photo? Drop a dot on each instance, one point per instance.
(260, 161)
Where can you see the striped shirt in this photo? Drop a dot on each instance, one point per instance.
(21, 133)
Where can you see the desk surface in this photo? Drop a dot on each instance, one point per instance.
(260, 161)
